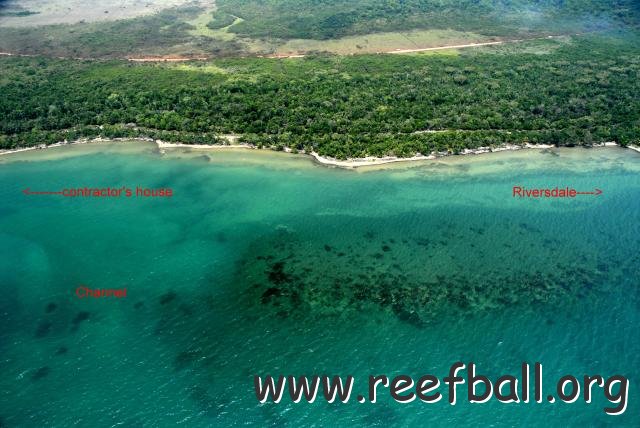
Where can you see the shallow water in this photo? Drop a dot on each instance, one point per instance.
(265, 263)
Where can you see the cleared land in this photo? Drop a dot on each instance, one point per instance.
(381, 42)
(23, 13)
(287, 53)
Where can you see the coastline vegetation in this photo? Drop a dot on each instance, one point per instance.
(581, 92)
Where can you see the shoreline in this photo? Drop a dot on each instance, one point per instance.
(352, 163)
(375, 161)
(72, 143)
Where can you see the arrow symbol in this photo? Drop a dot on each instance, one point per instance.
(28, 191)
(595, 193)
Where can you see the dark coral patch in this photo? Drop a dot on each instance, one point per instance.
(43, 329)
(186, 359)
(41, 373)
(168, 297)
(80, 317)
(270, 293)
(207, 403)
(277, 274)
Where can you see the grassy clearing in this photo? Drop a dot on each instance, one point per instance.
(529, 47)
(443, 52)
(200, 27)
(208, 68)
(382, 42)
(221, 20)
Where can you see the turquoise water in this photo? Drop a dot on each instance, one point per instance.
(264, 263)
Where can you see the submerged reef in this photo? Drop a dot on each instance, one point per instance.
(416, 278)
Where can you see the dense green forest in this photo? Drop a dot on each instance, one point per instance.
(311, 19)
(580, 91)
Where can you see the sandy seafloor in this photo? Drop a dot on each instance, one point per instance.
(395, 269)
